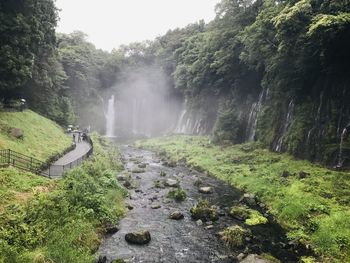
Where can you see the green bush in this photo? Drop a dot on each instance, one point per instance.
(178, 194)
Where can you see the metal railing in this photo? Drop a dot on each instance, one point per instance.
(21, 161)
(55, 171)
(28, 163)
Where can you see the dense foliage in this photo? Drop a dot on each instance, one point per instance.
(63, 224)
(275, 71)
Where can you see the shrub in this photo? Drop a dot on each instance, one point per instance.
(178, 194)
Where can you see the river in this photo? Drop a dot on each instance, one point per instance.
(185, 240)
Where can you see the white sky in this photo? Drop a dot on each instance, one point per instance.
(110, 23)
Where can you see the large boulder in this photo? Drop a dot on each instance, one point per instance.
(204, 211)
(176, 215)
(16, 132)
(171, 183)
(248, 199)
(205, 190)
(140, 237)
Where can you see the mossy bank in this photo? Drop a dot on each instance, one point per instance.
(309, 201)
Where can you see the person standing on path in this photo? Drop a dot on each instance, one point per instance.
(79, 136)
(74, 137)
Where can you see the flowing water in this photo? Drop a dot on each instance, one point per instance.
(110, 117)
(184, 240)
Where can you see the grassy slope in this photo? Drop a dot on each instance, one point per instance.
(314, 209)
(64, 224)
(42, 137)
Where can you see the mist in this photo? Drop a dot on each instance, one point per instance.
(145, 104)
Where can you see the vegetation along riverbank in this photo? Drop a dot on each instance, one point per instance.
(309, 201)
(65, 222)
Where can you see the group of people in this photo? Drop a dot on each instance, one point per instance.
(79, 136)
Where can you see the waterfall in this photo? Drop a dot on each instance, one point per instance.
(253, 116)
(180, 126)
(342, 138)
(288, 121)
(110, 116)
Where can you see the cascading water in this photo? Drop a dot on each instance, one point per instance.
(341, 145)
(288, 121)
(181, 126)
(253, 116)
(110, 117)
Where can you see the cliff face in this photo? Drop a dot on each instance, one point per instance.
(314, 126)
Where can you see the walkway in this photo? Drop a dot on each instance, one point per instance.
(69, 160)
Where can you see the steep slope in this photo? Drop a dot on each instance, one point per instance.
(41, 137)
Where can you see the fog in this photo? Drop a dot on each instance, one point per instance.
(145, 104)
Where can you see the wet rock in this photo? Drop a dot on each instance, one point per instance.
(239, 212)
(303, 174)
(248, 199)
(240, 256)
(102, 259)
(199, 222)
(253, 258)
(204, 211)
(140, 237)
(285, 174)
(221, 213)
(142, 165)
(127, 184)
(153, 198)
(122, 178)
(155, 206)
(111, 229)
(138, 170)
(171, 183)
(138, 177)
(198, 182)
(205, 190)
(129, 207)
(176, 215)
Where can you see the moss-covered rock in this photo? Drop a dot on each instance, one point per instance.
(234, 236)
(204, 211)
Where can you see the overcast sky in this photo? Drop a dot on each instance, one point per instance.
(110, 23)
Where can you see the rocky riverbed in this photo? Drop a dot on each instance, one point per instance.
(161, 196)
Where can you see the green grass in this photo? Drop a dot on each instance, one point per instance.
(314, 210)
(42, 138)
(65, 223)
(17, 186)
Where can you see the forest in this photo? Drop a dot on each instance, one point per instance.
(270, 74)
(269, 71)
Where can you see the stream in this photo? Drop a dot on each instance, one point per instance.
(185, 240)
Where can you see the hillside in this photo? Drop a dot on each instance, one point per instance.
(42, 138)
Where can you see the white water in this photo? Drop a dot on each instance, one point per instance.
(288, 121)
(253, 116)
(340, 156)
(110, 117)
